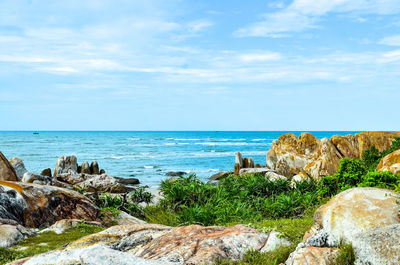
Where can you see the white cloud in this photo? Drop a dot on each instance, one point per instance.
(303, 14)
(391, 40)
(199, 25)
(260, 57)
(389, 57)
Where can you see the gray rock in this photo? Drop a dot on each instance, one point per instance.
(94, 168)
(12, 205)
(19, 166)
(65, 164)
(128, 181)
(262, 170)
(85, 168)
(93, 255)
(176, 173)
(11, 234)
(30, 177)
(221, 175)
(379, 246)
(101, 183)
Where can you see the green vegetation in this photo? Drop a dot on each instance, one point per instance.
(345, 256)
(44, 242)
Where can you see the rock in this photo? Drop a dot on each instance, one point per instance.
(300, 177)
(127, 219)
(128, 181)
(262, 170)
(72, 177)
(175, 173)
(85, 168)
(61, 226)
(391, 163)
(102, 171)
(248, 162)
(378, 246)
(92, 255)
(221, 175)
(65, 164)
(273, 176)
(101, 183)
(46, 172)
(238, 163)
(290, 155)
(19, 166)
(39, 206)
(11, 234)
(7, 171)
(30, 177)
(312, 256)
(192, 244)
(94, 168)
(356, 210)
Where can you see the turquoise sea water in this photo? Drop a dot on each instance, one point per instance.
(144, 155)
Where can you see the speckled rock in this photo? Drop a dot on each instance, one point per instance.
(260, 170)
(391, 163)
(85, 168)
(127, 219)
(312, 256)
(46, 172)
(94, 168)
(39, 206)
(11, 234)
(192, 244)
(19, 166)
(101, 183)
(93, 255)
(30, 177)
(7, 171)
(66, 164)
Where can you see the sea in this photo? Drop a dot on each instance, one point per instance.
(146, 155)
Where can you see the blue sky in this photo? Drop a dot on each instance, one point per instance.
(199, 65)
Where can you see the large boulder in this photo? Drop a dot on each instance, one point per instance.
(290, 155)
(85, 168)
(30, 177)
(101, 183)
(11, 234)
(66, 164)
(7, 171)
(391, 163)
(38, 206)
(94, 168)
(19, 166)
(258, 170)
(367, 218)
(61, 226)
(313, 256)
(192, 244)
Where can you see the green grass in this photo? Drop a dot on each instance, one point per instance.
(45, 242)
(345, 256)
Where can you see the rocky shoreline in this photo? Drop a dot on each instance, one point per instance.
(365, 217)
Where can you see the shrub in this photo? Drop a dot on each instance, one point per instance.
(371, 158)
(350, 173)
(380, 179)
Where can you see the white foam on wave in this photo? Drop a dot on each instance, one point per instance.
(149, 167)
(134, 139)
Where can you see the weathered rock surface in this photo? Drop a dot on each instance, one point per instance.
(368, 218)
(238, 163)
(11, 234)
(312, 256)
(175, 173)
(61, 226)
(94, 168)
(93, 255)
(46, 172)
(7, 171)
(192, 244)
(260, 170)
(391, 163)
(39, 206)
(273, 176)
(290, 155)
(30, 177)
(85, 168)
(357, 210)
(65, 164)
(19, 166)
(127, 219)
(221, 175)
(378, 246)
(101, 183)
(128, 181)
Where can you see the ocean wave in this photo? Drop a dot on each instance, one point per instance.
(134, 139)
(228, 143)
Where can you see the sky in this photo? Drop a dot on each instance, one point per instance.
(199, 65)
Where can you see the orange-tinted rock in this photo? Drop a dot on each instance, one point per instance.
(191, 244)
(42, 205)
(7, 172)
(391, 163)
(290, 155)
(313, 256)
